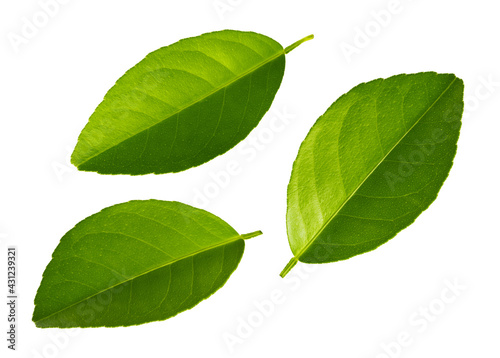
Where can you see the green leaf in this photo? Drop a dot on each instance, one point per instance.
(134, 263)
(371, 164)
(183, 104)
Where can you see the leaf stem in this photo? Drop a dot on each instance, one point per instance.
(250, 235)
(298, 43)
(289, 266)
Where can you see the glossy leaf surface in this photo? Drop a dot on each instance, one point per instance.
(183, 104)
(371, 164)
(136, 262)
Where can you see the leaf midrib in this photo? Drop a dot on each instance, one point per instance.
(313, 239)
(178, 111)
(195, 253)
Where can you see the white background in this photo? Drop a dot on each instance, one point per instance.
(52, 82)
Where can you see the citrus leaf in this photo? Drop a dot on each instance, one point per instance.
(183, 104)
(134, 263)
(371, 165)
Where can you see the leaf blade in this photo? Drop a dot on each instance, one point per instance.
(129, 270)
(367, 158)
(183, 105)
